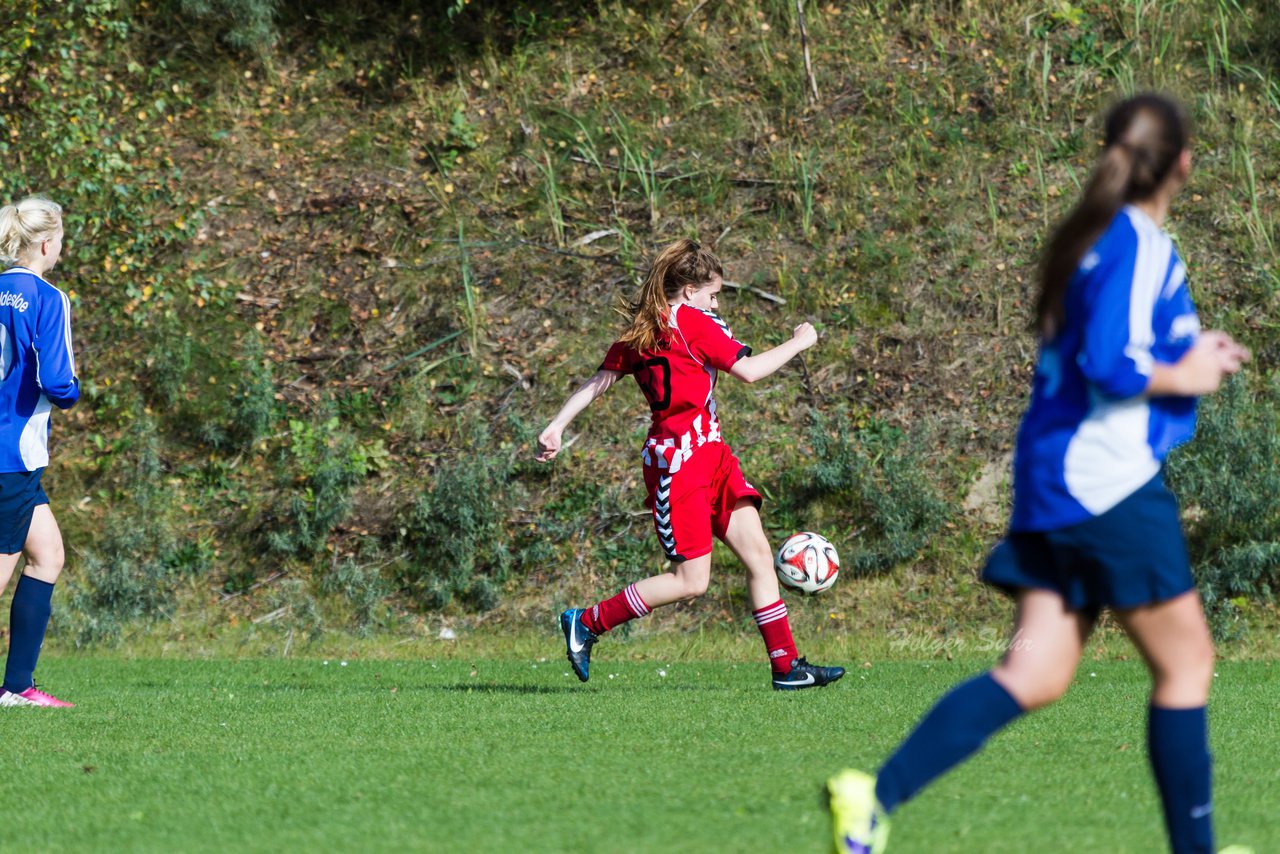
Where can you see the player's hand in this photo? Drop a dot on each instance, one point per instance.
(805, 335)
(548, 444)
(1214, 356)
(1231, 355)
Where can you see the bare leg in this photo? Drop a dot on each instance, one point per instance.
(1174, 639)
(29, 611)
(745, 536)
(7, 565)
(44, 550)
(1045, 649)
(687, 580)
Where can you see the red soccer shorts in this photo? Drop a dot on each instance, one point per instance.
(695, 503)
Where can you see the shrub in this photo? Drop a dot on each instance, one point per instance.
(213, 399)
(454, 532)
(248, 25)
(85, 141)
(317, 472)
(1227, 479)
(362, 589)
(131, 571)
(293, 610)
(873, 479)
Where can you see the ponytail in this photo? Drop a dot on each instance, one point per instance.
(25, 224)
(1104, 195)
(1144, 137)
(682, 263)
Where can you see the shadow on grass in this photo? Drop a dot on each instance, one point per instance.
(500, 688)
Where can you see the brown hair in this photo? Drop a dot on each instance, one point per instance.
(682, 263)
(1144, 137)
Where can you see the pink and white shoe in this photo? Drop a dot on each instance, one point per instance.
(33, 696)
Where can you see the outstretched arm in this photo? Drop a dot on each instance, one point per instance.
(549, 441)
(752, 368)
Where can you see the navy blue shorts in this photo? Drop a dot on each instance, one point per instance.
(1134, 554)
(20, 494)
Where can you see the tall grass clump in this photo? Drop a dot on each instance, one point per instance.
(253, 393)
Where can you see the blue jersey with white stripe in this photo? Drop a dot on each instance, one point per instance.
(1091, 436)
(37, 367)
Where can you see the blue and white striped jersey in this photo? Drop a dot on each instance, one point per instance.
(37, 367)
(1091, 436)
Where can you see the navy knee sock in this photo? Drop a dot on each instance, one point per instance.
(28, 619)
(1178, 742)
(950, 733)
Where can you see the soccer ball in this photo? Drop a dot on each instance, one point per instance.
(807, 562)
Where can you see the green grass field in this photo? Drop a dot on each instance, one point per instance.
(513, 754)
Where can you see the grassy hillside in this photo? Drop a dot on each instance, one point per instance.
(327, 293)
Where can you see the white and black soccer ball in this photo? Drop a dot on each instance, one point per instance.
(807, 562)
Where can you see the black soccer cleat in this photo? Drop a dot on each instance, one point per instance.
(578, 640)
(806, 675)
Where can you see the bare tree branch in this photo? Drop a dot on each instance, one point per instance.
(804, 44)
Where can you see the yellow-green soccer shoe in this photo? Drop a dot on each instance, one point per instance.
(859, 823)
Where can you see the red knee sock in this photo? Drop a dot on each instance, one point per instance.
(615, 611)
(776, 631)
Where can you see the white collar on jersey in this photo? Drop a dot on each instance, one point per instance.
(21, 269)
(1142, 217)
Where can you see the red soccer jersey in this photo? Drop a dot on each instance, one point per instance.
(678, 378)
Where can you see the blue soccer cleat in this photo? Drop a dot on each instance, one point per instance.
(578, 640)
(806, 675)
(860, 824)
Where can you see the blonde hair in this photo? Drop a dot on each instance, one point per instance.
(25, 224)
(682, 263)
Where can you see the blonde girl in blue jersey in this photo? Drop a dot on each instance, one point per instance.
(1122, 361)
(37, 373)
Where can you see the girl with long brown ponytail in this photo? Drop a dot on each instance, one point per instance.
(675, 345)
(1122, 362)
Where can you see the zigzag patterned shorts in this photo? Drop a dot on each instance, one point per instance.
(695, 503)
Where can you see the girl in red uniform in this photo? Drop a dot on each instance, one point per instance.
(675, 346)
